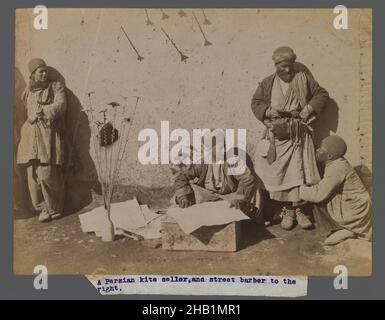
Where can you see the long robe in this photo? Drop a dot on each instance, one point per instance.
(41, 147)
(43, 140)
(347, 201)
(295, 162)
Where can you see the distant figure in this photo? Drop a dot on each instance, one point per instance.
(286, 102)
(41, 147)
(347, 201)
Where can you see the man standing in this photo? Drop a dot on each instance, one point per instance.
(41, 147)
(286, 102)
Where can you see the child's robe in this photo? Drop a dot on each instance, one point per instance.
(346, 198)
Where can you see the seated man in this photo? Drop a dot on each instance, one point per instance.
(203, 182)
(347, 201)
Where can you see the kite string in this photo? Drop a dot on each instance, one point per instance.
(120, 159)
(121, 129)
(94, 134)
(112, 149)
(123, 136)
(120, 143)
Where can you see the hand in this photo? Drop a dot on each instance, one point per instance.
(306, 112)
(184, 202)
(39, 114)
(222, 191)
(271, 113)
(33, 119)
(237, 204)
(295, 114)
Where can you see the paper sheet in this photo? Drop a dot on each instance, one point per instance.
(125, 216)
(205, 214)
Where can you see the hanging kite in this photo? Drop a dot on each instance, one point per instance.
(206, 21)
(207, 42)
(140, 58)
(164, 15)
(148, 21)
(183, 57)
(182, 13)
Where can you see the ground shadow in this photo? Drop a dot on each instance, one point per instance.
(366, 177)
(250, 233)
(253, 233)
(21, 199)
(326, 122)
(204, 234)
(79, 169)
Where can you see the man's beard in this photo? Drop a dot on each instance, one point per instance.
(42, 79)
(286, 76)
(37, 85)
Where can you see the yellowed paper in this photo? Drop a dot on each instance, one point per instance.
(201, 285)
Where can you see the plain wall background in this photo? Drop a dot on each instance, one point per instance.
(215, 85)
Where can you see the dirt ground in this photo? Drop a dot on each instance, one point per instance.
(65, 249)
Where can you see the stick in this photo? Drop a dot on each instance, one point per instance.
(140, 58)
(183, 57)
(207, 21)
(207, 43)
(148, 21)
(121, 133)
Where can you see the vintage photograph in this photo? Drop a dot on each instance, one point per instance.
(193, 141)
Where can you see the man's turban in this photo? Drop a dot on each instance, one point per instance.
(283, 54)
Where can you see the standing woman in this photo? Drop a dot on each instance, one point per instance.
(41, 147)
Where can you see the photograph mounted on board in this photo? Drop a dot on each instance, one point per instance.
(193, 141)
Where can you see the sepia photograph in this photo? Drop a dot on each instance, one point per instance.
(193, 141)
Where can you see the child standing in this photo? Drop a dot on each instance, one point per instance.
(347, 201)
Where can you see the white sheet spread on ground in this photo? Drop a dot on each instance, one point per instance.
(205, 214)
(126, 216)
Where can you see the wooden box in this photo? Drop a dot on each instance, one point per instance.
(213, 238)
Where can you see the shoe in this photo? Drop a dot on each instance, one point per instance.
(303, 220)
(288, 218)
(255, 215)
(339, 236)
(44, 216)
(56, 216)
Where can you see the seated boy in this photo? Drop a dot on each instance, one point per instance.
(198, 183)
(347, 201)
(211, 182)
